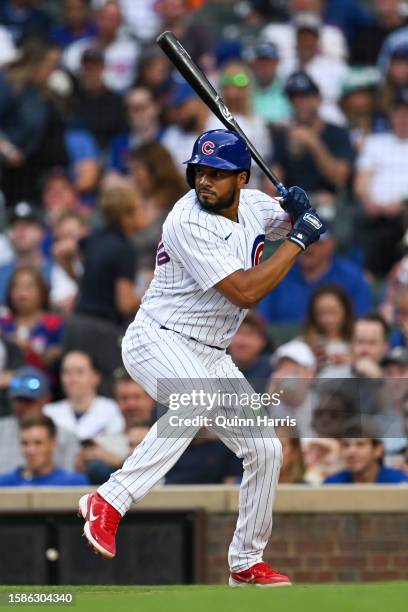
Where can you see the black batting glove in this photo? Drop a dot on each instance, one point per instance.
(296, 202)
(307, 229)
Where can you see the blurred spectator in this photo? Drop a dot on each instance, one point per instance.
(76, 23)
(321, 457)
(311, 152)
(399, 305)
(328, 72)
(22, 19)
(101, 456)
(97, 107)
(68, 230)
(395, 78)
(194, 36)
(84, 412)
(159, 184)
(8, 50)
(369, 346)
(189, 117)
(119, 49)
(332, 42)
(363, 458)
(398, 38)
(29, 392)
(59, 196)
(294, 371)
(249, 351)
(32, 127)
(334, 411)
(153, 72)
(317, 266)
(395, 367)
(293, 465)
(109, 260)
(270, 100)
(143, 119)
(206, 461)
(328, 327)
(382, 187)
(38, 439)
(28, 321)
(366, 46)
(237, 91)
(141, 17)
(360, 106)
(84, 164)
(348, 15)
(11, 358)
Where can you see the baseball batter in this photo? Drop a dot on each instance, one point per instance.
(208, 274)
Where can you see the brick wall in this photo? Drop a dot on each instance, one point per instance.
(321, 547)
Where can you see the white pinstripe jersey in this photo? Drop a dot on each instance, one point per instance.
(197, 250)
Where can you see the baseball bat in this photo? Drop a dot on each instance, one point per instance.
(201, 85)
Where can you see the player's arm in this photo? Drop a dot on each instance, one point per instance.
(245, 288)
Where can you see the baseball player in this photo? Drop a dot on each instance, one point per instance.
(208, 274)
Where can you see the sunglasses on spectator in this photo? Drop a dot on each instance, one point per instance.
(238, 80)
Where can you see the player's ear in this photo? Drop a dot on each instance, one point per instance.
(242, 179)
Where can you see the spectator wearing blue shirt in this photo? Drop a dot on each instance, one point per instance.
(84, 165)
(363, 458)
(317, 266)
(22, 19)
(38, 439)
(77, 24)
(143, 120)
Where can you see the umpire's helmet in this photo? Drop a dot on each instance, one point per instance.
(221, 149)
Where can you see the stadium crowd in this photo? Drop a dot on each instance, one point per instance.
(94, 128)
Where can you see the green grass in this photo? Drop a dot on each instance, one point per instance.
(387, 597)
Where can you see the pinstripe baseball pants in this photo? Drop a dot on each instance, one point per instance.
(151, 354)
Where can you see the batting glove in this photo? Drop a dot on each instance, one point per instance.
(296, 202)
(307, 229)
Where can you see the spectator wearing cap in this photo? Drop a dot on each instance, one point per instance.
(38, 440)
(381, 187)
(319, 265)
(120, 50)
(270, 100)
(29, 392)
(327, 72)
(309, 151)
(76, 24)
(294, 371)
(394, 40)
(363, 458)
(84, 413)
(249, 351)
(360, 106)
(144, 127)
(26, 233)
(97, 107)
(140, 17)
(188, 117)
(366, 46)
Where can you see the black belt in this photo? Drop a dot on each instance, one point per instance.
(217, 348)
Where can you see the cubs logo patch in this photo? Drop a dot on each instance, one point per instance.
(257, 250)
(208, 147)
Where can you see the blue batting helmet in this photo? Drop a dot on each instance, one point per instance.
(221, 149)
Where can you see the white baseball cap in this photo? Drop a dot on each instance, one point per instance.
(298, 351)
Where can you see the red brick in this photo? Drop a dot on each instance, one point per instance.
(327, 576)
(314, 546)
(400, 561)
(385, 575)
(283, 562)
(380, 561)
(347, 562)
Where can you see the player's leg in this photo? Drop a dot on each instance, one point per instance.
(261, 453)
(162, 363)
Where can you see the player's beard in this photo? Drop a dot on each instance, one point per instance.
(220, 204)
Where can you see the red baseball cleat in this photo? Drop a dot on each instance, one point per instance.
(261, 575)
(101, 524)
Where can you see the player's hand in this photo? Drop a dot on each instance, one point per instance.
(307, 229)
(296, 202)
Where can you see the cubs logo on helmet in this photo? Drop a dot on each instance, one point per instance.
(208, 147)
(257, 250)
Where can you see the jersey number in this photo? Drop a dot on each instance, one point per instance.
(162, 256)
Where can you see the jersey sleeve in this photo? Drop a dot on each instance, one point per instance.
(368, 158)
(201, 250)
(275, 220)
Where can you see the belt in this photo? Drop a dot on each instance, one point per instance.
(217, 348)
